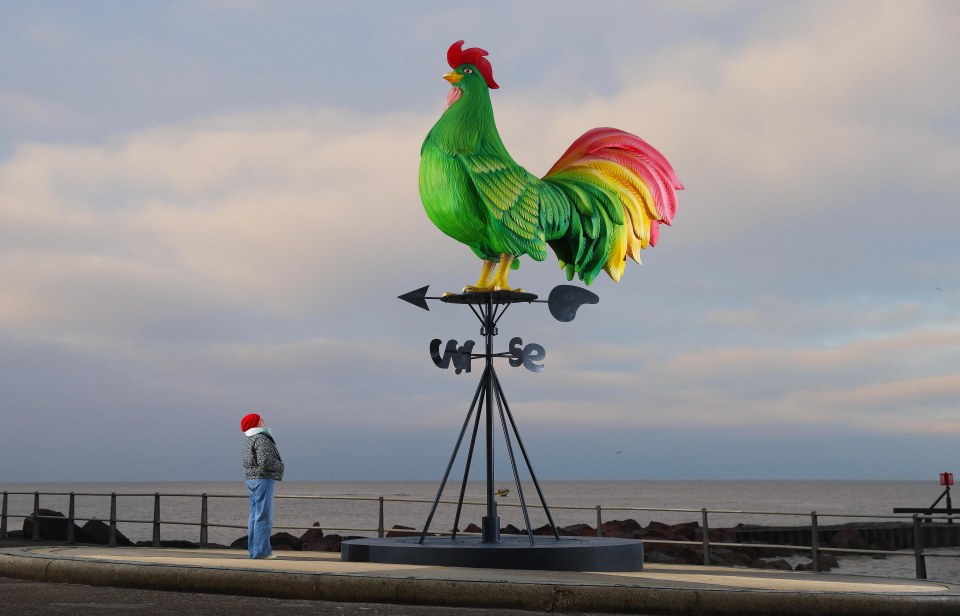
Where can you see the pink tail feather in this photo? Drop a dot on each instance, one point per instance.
(633, 153)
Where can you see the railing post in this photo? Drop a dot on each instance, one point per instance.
(599, 522)
(815, 542)
(156, 519)
(112, 535)
(3, 517)
(35, 534)
(949, 506)
(918, 548)
(71, 535)
(380, 521)
(706, 538)
(203, 520)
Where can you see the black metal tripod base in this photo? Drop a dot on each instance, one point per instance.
(513, 552)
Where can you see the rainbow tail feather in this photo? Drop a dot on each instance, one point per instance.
(621, 189)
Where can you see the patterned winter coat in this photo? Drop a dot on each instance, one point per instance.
(261, 459)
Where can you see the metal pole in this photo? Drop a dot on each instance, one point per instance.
(918, 548)
(949, 506)
(466, 475)
(112, 535)
(491, 524)
(526, 458)
(36, 517)
(513, 464)
(3, 517)
(453, 456)
(203, 520)
(71, 535)
(815, 542)
(599, 522)
(706, 537)
(156, 519)
(380, 521)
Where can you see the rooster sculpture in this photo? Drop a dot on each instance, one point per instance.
(602, 202)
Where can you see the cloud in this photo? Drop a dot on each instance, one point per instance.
(272, 211)
(18, 111)
(903, 382)
(778, 318)
(252, 256)
(824, 113)
(769, 134)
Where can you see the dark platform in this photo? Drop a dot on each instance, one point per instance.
(513, 552)
(493, 297)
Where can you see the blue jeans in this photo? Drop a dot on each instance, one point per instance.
(260, 523)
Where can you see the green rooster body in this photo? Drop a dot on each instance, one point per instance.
(594, 208)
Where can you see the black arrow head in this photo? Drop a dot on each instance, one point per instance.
(566, 299)
(418, 298)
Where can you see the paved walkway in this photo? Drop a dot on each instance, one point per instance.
(660, 589)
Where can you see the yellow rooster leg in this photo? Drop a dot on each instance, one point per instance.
(483, 283)
(500, 278)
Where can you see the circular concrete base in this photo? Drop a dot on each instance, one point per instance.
(512, 552)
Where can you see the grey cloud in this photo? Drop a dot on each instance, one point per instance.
(239, 241)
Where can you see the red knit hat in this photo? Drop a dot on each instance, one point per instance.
(249, 421)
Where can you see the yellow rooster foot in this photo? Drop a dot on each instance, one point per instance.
(483, 284)
(493, 277)
(500, 275)
(475, 289)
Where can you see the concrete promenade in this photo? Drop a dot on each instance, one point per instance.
(660, 589)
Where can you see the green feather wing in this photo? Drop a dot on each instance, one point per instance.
(512, 196)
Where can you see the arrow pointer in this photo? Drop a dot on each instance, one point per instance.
(418, 297)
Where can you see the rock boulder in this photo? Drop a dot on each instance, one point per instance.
(285, 541)
(312, 536)
(623, 529)
(99, 533)
(53, 529)
(848, 538)
(329, 543)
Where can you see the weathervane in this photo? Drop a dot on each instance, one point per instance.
(600, 204)
(489, 307)
(563, 302)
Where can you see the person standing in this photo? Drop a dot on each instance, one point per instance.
(262, 466)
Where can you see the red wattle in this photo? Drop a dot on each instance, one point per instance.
(452, 96)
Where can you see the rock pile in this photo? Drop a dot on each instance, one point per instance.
(662, 543)
(312, 540)
(53, 526)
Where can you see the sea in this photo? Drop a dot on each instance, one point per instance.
(352, 508)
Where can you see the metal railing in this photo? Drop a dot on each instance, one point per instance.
(815, 548)
(705, 544)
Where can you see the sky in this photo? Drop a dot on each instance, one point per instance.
(209, 208)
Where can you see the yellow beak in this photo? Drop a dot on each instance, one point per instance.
(453, 77)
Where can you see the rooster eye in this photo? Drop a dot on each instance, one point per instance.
(467, 71)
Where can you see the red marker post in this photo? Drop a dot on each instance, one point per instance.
(946, 479)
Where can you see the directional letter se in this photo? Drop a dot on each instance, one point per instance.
(528, 355)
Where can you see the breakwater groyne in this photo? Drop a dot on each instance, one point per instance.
(856, 535)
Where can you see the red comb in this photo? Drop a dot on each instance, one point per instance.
(458, 56)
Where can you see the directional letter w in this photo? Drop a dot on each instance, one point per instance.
(460, 356)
